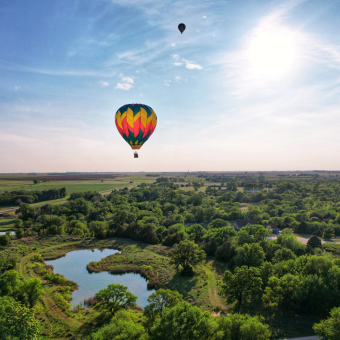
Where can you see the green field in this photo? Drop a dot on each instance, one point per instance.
(76, 185)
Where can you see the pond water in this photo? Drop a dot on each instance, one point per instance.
(73, 267)
(4, 232)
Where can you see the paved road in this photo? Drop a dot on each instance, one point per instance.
(303, 239)
(312, 337)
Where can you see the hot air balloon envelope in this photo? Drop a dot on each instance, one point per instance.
(136, 123)
(181, 28)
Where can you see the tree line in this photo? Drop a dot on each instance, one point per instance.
(21, 196)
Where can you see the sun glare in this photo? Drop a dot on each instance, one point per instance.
(271, 54)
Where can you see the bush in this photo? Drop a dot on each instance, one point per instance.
(314, 242)
(5, 240)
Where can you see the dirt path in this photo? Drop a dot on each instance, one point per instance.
(213, 289)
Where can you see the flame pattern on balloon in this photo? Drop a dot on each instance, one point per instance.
(136, 123)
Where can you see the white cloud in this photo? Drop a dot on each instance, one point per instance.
(104, 83)
(127, 80)
(166, 84)
(173, 44)
(193, 66)
(175, 56)
(16, 88)
(178, 64)
(204, 17)
(124, 86)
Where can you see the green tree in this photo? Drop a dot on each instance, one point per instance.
(32, 290)
(160, 300)
(218, 223)
(184, 322)
(242, 284)
(329, 329)
(17, 321)
(187, 254)
(328, 233)
(196, 232)
(314, 242)
(196, 185)
(5, 240)
(257, 231)
(243, 327)
(114, 297)
(283, 254)
(251, 255)
(10, 283)
(232, 186)
(122, 326)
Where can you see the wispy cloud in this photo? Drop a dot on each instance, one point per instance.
(104, 83)
(51, 72)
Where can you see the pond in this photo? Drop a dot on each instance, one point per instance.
(73, 267)
(4, 232)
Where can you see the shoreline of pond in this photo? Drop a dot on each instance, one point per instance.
(84, 287)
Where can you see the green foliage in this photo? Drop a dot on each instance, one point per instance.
(37, 258)
(242, 327)
(32, 290)
(329, 329)
(184, 322)
(28, 292)
(5, 240)
(160, 301)
(314, 242)
(328, 233)
(290, 241)
(242, 284)
(114, 297)
(187, 254)
(62, 303)
(123, 326)
(251, 255)
(17, 321)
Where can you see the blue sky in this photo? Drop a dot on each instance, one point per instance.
(250, 85)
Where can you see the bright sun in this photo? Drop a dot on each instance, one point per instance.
(271, 54)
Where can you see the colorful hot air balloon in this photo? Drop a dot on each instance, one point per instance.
(181, 28)
(136, 123)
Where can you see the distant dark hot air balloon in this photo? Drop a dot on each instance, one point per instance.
(136, 123)
(181, 28)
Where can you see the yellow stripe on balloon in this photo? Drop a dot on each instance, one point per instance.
(153, 119)
(143, 116)
(122, 116)
(129, 117)
(136, 116)
(118, 118)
